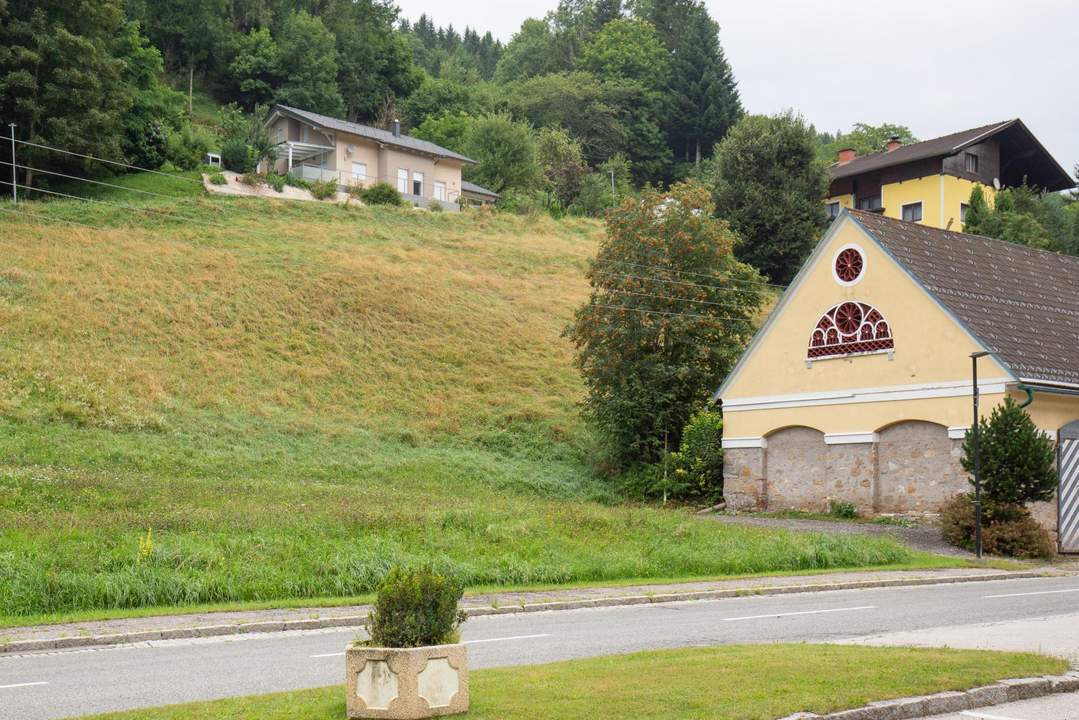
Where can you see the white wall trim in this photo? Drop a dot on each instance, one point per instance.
(921, 391)
(853, 438)
(957, 433)
(738, 443)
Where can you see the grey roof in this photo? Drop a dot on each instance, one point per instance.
(466, 186)
(1022, 303)
(1043, 169)
(383, 136)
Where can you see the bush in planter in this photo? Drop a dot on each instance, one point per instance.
(218, 179)
(416, 608)
(381, 194)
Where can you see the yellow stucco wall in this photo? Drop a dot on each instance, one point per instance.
(363, 151)
(449, 172)
(941, 197)
(930, 349)
(845, 201)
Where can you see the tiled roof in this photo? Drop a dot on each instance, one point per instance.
(383, 136)
(474, 188)
(1022, 303)
(944, 145)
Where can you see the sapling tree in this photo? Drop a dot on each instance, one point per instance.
(1018, 462)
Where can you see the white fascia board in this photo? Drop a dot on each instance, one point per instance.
(851, 438)
(891, 393)
(738, 443)
(789, 293)
(957, 432)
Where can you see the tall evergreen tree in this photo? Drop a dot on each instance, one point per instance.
(703, 95)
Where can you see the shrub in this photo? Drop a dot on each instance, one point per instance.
(237, 156)
(296, 181)
(841, 509)
(415, 608)
(186, 147)
(218, 179)
(381, 194)
(698, 464)
(1018, 462)
(1007, 528)
(434, 206)
(253, 179)
(277, 182)
(323, 189)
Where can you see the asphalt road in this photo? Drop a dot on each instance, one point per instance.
(70, 683)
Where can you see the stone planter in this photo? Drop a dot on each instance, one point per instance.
(406, 683)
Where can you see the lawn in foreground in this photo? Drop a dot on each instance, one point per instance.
(735, 682)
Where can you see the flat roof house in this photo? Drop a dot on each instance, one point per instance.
(930, 182)
(319, 147)
(858, 387)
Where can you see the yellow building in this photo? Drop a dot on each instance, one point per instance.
(930, 182)
(858, 386)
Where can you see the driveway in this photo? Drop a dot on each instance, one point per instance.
(922, 537)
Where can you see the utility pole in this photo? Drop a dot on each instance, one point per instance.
(614, 193)
(977, 457)
(14, 177)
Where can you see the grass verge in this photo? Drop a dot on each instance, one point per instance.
(737, 682)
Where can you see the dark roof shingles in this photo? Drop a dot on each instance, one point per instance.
(383, 136)
(1022, 303)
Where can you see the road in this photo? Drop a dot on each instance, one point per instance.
(60, 684)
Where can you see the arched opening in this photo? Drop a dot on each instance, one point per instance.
(918, 467)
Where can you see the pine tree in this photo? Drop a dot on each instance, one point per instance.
(1018, 462)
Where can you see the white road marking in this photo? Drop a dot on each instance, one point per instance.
(804, 612)
(1042, 592)
(18, 685)
(983, 716)
(466, 642)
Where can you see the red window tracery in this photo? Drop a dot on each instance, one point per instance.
(848, 265)
(848, 329)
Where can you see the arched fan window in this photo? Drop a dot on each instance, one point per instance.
(850, 328)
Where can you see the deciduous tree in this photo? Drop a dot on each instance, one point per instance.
(309, 58)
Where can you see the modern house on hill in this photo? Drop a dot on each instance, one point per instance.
(858, 387)
(930, 182)
(318, 147)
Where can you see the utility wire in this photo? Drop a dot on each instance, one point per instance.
(669, 282)
(666, 297)
(110, 162)
(663, 312)
(39, 217)
(687, 272)
(95, 182)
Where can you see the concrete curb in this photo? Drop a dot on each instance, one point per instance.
(1005, 691)
(345, 621)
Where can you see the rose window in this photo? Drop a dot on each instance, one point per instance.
(849, 265)
(850, 328)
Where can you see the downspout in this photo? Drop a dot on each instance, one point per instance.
(1030, 395)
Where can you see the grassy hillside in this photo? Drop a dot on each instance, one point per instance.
(239, 399)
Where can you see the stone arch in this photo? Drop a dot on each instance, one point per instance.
(803, 472)
(918, 467)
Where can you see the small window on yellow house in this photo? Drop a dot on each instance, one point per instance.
(963, 207)
(833, 210)
(912, 212)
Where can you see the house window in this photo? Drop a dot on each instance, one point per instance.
(912, 212)
(963, 207)
(417, 184)
(850, 328)
(359, 173)
(833, 210)
(971, 161)
(440, 191)
(869, 203)
(402, 180)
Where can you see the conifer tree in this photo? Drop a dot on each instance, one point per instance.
(1018, 462)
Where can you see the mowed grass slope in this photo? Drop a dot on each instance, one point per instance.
(231, 400)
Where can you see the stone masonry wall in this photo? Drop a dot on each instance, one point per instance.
(804, 473)
(919, 468)
(743, 478)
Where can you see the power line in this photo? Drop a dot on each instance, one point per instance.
(667, 297)
(687, 272)
(668, 282)
(136, 208)
(663, 312)
(39, 217)
(95, 182)
(110, 162)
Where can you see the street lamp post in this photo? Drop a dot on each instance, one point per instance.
(977, 456)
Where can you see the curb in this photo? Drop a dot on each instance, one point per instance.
(347, 621)
(1005, 691)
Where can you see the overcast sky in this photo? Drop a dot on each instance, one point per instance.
(937, 66)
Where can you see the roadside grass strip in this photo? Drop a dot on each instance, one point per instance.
(734, 682)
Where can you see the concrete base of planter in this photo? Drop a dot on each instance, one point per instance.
(406, 684)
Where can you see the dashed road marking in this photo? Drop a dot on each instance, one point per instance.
(804, 612)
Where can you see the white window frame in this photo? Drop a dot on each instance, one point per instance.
(417, 178)
(921, 210)
(402, 181)
(833, 209)
(361, 176)
(440, 190)
(963, 208)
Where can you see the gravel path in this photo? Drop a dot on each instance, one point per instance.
(922, 537)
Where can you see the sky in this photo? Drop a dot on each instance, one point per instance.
(936, 66)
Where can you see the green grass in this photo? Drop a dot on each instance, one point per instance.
(743, 682)
(294, 396)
